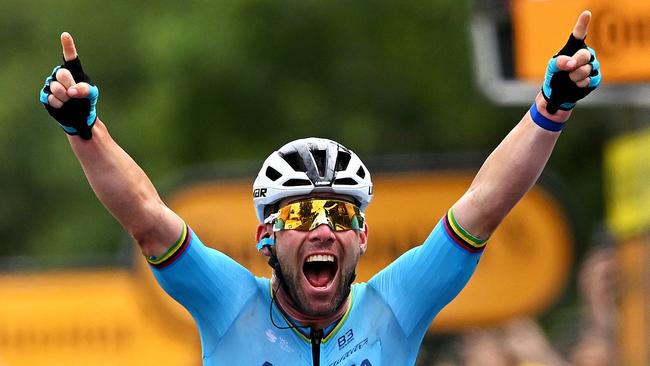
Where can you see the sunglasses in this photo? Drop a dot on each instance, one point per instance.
(306, 215)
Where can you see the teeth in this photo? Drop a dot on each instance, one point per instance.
(320, 258)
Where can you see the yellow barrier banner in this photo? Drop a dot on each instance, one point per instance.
(92, 317)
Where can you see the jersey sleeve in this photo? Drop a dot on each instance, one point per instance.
(208, 283)
(418, 284)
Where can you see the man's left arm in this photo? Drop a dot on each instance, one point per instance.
(516, 164)
(422, 281)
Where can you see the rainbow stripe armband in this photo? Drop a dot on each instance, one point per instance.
(173, 252)
(460, 236)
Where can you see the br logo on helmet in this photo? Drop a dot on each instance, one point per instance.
(259, 192)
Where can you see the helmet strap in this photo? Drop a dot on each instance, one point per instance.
(275, 264)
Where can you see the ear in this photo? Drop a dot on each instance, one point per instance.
(264, 231)
(363, 238)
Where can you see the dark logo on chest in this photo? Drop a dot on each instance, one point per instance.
(345, 339)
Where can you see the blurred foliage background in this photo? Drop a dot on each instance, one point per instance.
(206, 82)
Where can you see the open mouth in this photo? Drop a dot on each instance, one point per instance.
(320, 270)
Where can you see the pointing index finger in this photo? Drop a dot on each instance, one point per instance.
(69, 50)
(580, 29)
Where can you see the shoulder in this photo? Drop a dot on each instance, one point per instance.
(263, 285)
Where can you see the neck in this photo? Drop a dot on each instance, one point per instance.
(316, 322)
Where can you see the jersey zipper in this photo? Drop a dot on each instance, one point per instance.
(316, 335)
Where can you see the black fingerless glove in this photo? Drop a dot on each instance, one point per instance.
(77, 116)
(558, 89)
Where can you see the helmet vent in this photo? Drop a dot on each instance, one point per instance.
(361, 173)
(342, 161)
(272, 174)
(345, 182)
(296, 182)
(319, 157)
(294, 161)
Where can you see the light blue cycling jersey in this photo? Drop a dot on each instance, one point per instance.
(385, 322)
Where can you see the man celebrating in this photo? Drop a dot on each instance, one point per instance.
(310, 197)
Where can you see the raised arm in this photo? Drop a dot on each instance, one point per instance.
(119, 183)
(516, 164)
(125, 190)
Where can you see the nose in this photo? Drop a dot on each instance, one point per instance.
(322, 233)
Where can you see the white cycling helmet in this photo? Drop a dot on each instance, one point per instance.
(307, 166)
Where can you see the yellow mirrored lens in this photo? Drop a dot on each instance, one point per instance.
(308, 214)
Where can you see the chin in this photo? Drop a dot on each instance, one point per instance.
(327, 305)
(321, 311)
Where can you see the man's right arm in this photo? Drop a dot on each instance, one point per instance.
(119, 183)
(211, 286)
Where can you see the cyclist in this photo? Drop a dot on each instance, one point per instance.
(309, 197)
